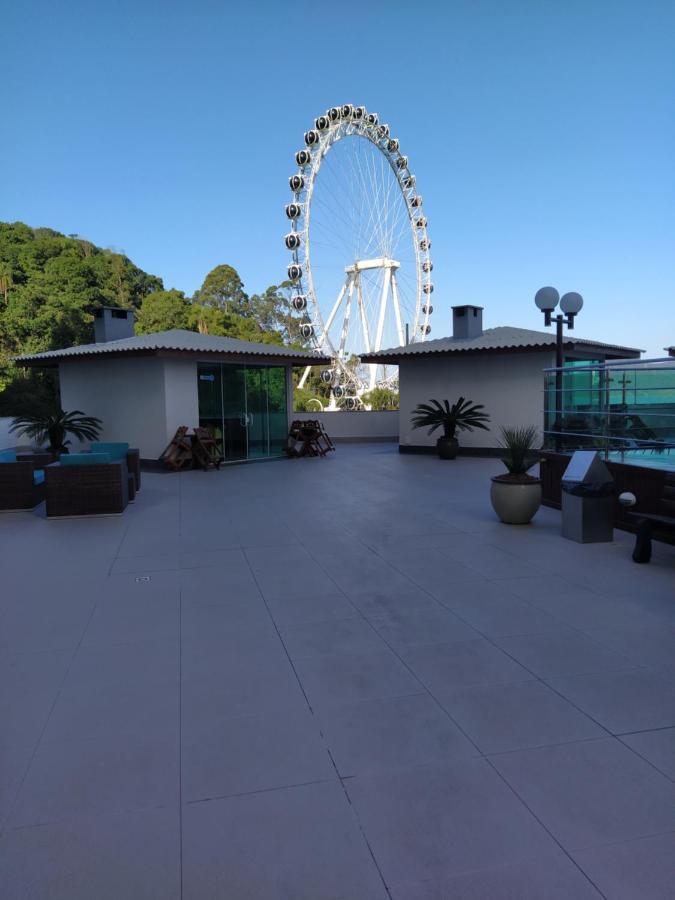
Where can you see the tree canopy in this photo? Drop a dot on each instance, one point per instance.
(163, 310)
(51, 283)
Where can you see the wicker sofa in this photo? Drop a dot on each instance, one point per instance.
(87, 484)
(21, 484)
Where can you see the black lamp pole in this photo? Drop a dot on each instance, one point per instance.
(547, 299)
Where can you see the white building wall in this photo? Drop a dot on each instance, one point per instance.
(180, 395)
(343, 425)
(126, 393)
(509, 385)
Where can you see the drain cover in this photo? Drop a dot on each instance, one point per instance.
(143, 578)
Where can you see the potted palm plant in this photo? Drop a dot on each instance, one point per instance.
(54, 426)
(464, 415)
(516, 495)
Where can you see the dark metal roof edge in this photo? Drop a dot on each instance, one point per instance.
(404, 353)
(54, 356)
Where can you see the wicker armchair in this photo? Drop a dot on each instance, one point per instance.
(87, 484)
(21, 485)
(121, 451)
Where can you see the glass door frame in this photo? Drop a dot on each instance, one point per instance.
(245, 417)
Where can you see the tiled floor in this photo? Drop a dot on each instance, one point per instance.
(337, 678)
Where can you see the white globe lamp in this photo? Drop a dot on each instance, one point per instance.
(546, 299)
(571, 303)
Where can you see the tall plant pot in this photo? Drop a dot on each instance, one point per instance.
(447, 447)
(515, 498)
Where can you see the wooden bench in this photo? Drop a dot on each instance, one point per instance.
(657, 524)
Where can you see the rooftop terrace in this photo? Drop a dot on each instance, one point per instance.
(333, 678)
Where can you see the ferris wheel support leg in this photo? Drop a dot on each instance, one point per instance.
(305, 375)
(345, 321)
(383, 309)
(362, 312)
(333, 312)
(380, 323)
(397, 308)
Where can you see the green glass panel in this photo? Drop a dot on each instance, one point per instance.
(209, 394)
(278, 409)
(256, 412)
(234, 412)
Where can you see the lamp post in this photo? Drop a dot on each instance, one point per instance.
(547, 299)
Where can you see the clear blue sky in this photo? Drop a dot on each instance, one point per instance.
(542, 134)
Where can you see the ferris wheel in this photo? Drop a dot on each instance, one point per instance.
(360, 267)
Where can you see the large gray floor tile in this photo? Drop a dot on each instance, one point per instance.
(353, 635)
(348, 677)
(24, 718)
(300, 843)
(405, 599)
(219, 585)
(562, 652)
(630, 700)
(127, 619)
(650, 645)
(576, 605)
(86, 776)
(550, 876)
(13, 767)
(378, 735)
(91, 710)
(132, 855)
(430, 822)
(309, 605)
(230, 684)
(146, 662)
(225, 756)
(402, 630)
(242, 627)
(443, 667)
(591, 792)
(643, 869)
(657, 747)
(27, 673)
(491, 561)
(514, 716)
(493, 612)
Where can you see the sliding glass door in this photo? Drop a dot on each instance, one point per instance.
(245, 407)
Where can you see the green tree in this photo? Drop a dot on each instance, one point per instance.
(305, 400)
(162, 311)
(223, 289)
(50, 285)
(380, 398)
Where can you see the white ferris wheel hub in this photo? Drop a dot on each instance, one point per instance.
(363, 207)
(380, 263)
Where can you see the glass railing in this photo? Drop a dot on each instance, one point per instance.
(625, 409)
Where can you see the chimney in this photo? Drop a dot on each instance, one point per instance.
(113, 324)
(467, 322)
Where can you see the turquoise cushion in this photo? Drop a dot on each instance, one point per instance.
(38, 476)
(7, 455)
(116, 450)
(84, 459)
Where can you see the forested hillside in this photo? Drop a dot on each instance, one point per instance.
(50, 283)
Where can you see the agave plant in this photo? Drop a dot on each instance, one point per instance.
(54, 426)
(519, 444)
(464, 415)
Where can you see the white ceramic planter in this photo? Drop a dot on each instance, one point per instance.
(515, 503)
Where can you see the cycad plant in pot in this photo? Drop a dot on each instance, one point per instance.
(516, 495)
(54, 426)
(464, 415)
